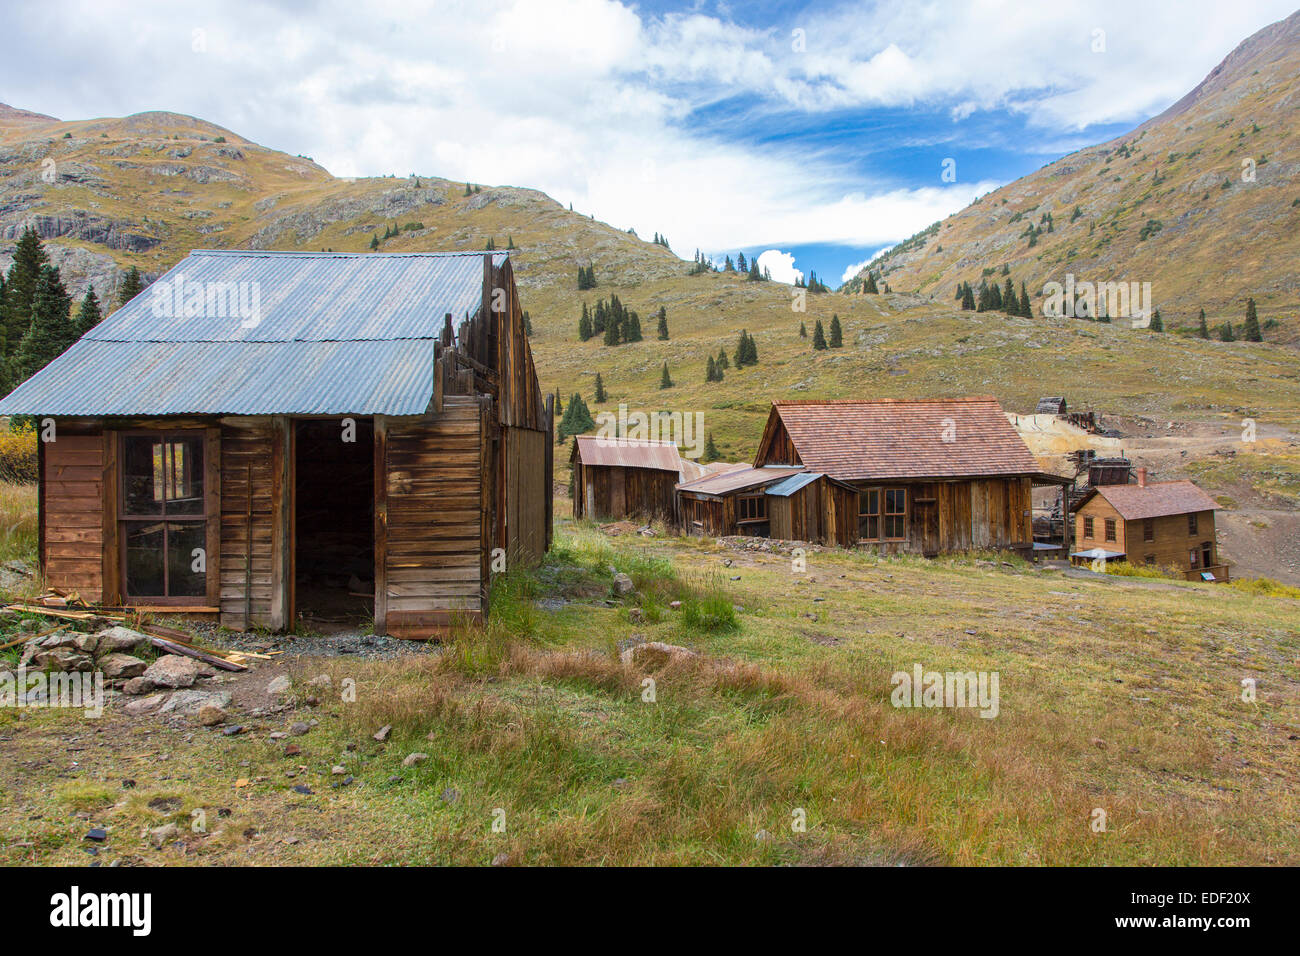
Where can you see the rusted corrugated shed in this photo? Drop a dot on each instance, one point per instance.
(627, 453)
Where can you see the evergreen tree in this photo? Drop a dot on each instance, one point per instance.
(967, 298)
(710, 449)
(468, 191)
(585, 330)
(528, 323)
(1251, 332)
(631, 327)
(1226, 334)
(577, 418)
(510, 242)
(741, 265)
(612, 330)
(600, 395)
(491, 244)
(20, 287)
(559, 407)
(88, 314)
(803, 330)
(711, 371)
(665, 381)
(663, 324)
(50, 331)
(723, 362)
(374, 241)
(837, 334)
(870, 287)
(1010, 305)
(1203, 330)
(819, 337)
(1026, 306)
(1157, 323)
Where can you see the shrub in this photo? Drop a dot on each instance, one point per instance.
(18, 454)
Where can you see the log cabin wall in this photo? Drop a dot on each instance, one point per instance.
(944, 516)
(609, 493)
(705, 515)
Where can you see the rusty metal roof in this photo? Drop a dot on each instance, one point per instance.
(627, 453)
(738, 480)
(694, 469)
(896, 438)
(1157, 499)
(332, 333)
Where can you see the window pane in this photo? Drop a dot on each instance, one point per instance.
(184, 475)
(183, 537)
(142, 491)
(144, 559)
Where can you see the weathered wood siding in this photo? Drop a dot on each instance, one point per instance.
(430, 536)
(527, 517)
(944, 516)
(73, 516)
(606, 492)
(253, 492)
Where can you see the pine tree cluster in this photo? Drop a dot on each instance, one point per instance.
(614, 322)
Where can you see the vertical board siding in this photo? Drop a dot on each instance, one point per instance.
(434, 544)
(526, 517)
(246, 449)
(73, 489)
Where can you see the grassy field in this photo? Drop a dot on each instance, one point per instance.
(1119, 695)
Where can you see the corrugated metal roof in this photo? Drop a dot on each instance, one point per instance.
(892, 438)
(737, 480)
(1157, 499)
(628, 453)
(335, 333)
(792, 484)
(694, 469)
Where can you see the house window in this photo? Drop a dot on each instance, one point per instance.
(1110, 529)
(1087, 526)
(163, 514)
(751, 508)
(1149, 529)
(869, 515)
(895, 512)
(1194, 558)
(1191, 523)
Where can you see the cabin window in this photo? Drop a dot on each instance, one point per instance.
(1191, 523)
(751, 508)
(1110, 529)
(1149, 529)
(1087, 526)
(1194, 558)
(895, 512)
(869, 515)
(163, 513)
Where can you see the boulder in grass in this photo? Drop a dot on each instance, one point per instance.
(656, 654)
(142, 706)
(172, 670)
(188, 703)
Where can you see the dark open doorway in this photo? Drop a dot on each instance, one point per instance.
(334, 523)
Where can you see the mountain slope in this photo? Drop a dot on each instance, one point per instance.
(1203, 201)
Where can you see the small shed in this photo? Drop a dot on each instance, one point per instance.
(812, 506)
(616, 478)
(1050, 406)
(263, 434)
(730, 502)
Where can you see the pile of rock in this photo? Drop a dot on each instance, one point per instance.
(167, 687)
(112, 651)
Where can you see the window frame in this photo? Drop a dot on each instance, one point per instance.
(759, 501)
(1148, 529)
(1089, 528)
(208, 518)
(879, 499)
(1110, 530)
(1192, 523)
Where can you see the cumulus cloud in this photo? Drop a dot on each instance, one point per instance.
(593, 101)
(780, 265)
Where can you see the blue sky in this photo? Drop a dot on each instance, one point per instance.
(817, 131)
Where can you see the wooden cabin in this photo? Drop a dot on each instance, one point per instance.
(1167, 524)
(270, 435)
(732, 502)
(813, 507)
(616, 478)
(929, 476)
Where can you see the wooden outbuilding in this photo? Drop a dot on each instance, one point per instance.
(616, 478)
(1166, 524)
(264, 435)
(730, 502)
(930, 475)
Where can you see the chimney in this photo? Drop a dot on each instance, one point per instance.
(1142, 477)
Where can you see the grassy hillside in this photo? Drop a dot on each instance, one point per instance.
(1202, 201)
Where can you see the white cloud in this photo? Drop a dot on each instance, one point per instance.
(780, 265)
(583, 98)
